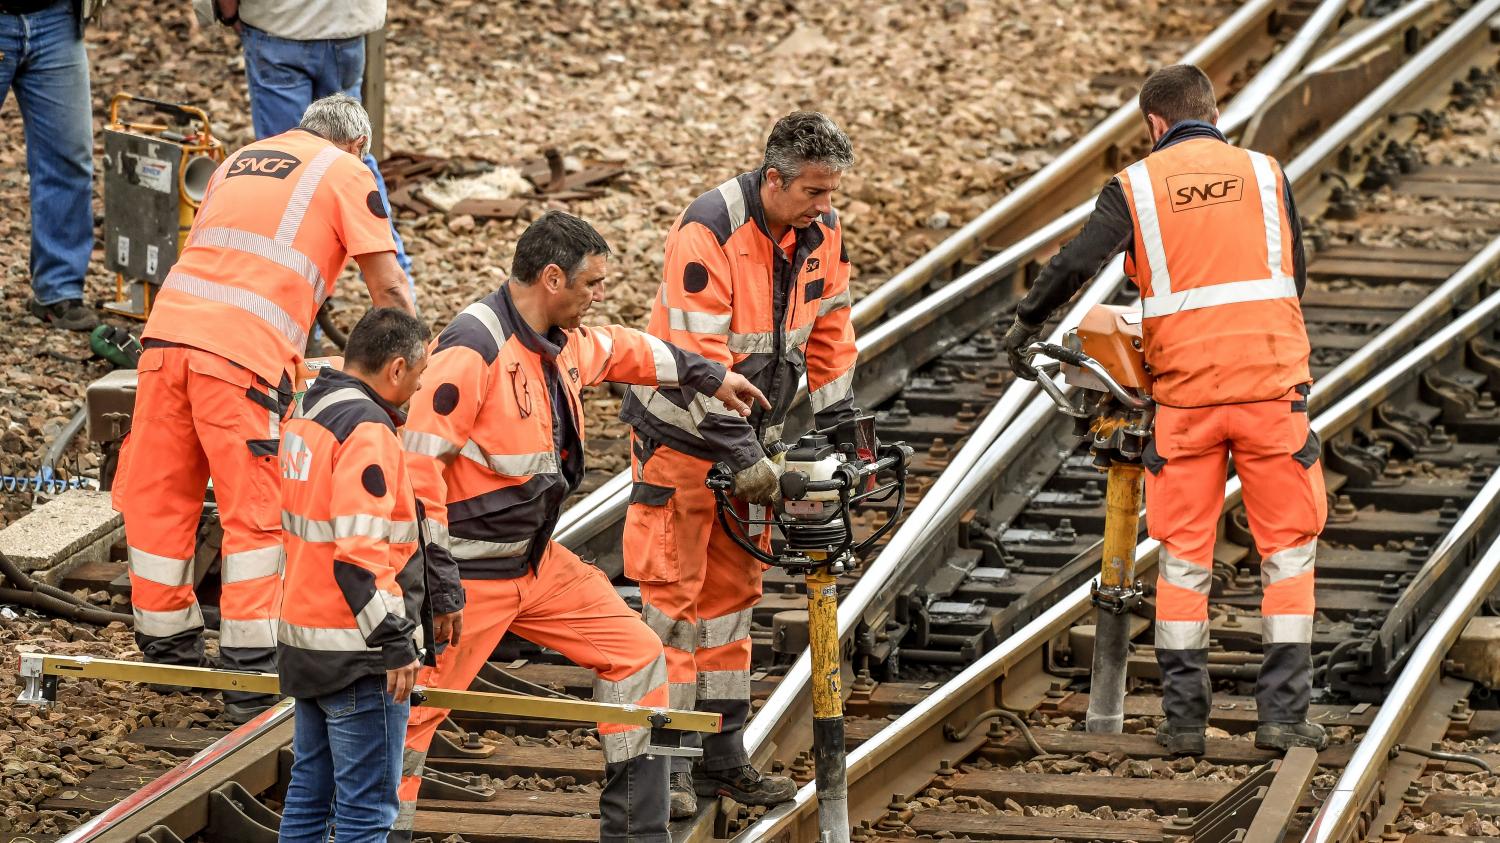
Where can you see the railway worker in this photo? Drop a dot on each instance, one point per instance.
(353, 619)
(279, 222)
(495, 446)
(755, 277)
(1212, 239)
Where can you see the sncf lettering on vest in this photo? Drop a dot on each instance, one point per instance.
(263, 162)
(1190, 191)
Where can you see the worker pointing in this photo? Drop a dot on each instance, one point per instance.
(495, 444)
(1213, 241)
(755, 278)
(279, 221)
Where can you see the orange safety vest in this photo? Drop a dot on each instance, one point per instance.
(354, 584)
(278, 223)
(772, 311)
(1213, 259)
(489, 459)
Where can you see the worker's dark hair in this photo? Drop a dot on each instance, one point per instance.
(555, 238)
(382, 335)
(1177, 93)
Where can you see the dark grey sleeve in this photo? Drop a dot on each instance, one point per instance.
(1107, 232)
(1299, 258)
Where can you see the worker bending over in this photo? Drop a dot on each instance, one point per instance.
(495, 446)
(1213, 241)
(351, 633)
(756, 278)
(279, 221)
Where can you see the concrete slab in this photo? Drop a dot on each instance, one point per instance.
(76, 527)
(1477, 651)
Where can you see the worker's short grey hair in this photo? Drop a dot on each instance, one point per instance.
(802, 138)
(339, 118)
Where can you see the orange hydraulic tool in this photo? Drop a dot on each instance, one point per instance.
(1102, 357)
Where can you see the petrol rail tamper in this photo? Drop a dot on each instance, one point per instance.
(828, 473)
(1103, 358)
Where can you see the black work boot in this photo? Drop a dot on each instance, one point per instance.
(684, 800)
(242, 712)
(1283, 736)
(744, 785)
(1181, 740)
(70, 315)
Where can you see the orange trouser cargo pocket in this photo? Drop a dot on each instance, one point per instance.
(650, 535)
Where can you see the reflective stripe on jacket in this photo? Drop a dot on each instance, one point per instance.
(1213, 259)
(771, 311)
(489, 460)
(354, 585)
(280, 220)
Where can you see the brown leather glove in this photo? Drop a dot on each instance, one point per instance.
(760, 483)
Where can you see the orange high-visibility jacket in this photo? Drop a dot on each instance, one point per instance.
(770, 311)
(1213, 260)
(280, 220)
(495, 436)
(353, 596)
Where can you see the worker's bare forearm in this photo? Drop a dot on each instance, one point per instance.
(386, 281)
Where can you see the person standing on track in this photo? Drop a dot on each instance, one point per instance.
(1212, 239)
(757, 279)
(353, 619)
(495, 446)
(280, 219)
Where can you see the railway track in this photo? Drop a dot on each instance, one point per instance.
(1012, 548)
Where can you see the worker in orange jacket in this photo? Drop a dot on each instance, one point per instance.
(1212, 239)
(279, 221)
(495, 444)
(757, 279)
(354, 620)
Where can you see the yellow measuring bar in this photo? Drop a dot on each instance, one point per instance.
(40, 672)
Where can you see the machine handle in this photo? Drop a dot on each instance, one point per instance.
(182, 112)
(1082, 361)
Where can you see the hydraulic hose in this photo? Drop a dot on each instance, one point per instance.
(48, 598)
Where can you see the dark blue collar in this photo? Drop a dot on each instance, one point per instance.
(1189, 130)
(330, 379)
(548, 346)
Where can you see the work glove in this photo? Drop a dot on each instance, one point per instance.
(760, 483)
(1020, 336)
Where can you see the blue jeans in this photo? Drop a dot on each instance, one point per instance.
(346, 766)
(42, 59)
(285, 77)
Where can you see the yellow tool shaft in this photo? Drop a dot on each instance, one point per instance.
(550, 708)
(1122, 508)
(823, 633)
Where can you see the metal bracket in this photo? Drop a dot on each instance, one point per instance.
(659, 721)
(1116, 601)
(37, 687)
(437, 784)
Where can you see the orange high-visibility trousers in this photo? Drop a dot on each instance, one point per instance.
(198, 415)
(569, 606)
(698, 589)
(1277, 457)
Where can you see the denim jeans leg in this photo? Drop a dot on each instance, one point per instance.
(51, 82)
(367, 743)
(309, 795)
(385, 201)
(280, 86)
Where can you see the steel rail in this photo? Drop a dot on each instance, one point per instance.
(201, 764)
(955, 695)
(604, 506)
(1368, 37)
(973, 467)
(1337, 819)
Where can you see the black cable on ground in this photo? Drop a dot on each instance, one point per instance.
(48, 598)
(331, 330)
